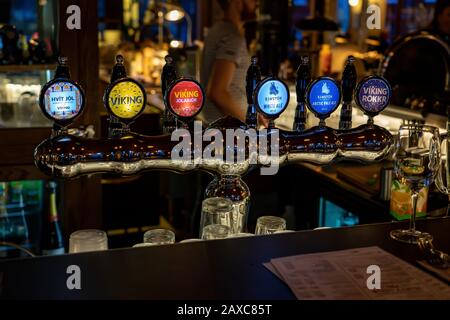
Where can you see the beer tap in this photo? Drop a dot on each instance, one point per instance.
(348, 86)
(323, 96)
(252, 80)
(61, 100)
(124, 98)
(69, 156)
(372, 95)
(303, 79)
(271, 97)
(118, 72)
(169, 74)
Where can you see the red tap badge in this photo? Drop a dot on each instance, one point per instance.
(185, 98)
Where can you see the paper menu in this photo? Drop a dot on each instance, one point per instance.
(342, 275)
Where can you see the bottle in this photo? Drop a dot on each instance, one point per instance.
(23, 45)
(325, 60)
(17, 219)
(5, 225)
(52, 240)
(252, 80)
(303, 79)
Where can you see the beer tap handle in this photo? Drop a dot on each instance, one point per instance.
(303, 79)
(62, 70)
(124, 98)
(115, 126)
(349, 78)
(169, 74)
(61, 99)
(119, 70)
(252, 80)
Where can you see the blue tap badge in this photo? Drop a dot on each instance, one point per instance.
(373, 95)
(272, 97)
(323, 96)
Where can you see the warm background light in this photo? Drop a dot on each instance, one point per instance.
(174, 15)
(353, 3)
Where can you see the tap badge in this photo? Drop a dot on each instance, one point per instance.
(125, 99)
(373, 95)
(61, 100)
(185, 98)
(323, 96)
(271, 97)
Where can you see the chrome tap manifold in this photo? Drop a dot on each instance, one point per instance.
(128, 153)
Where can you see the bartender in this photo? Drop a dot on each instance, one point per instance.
(225, 62)
(441, 20)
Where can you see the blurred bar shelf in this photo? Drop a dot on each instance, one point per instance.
(26, 68)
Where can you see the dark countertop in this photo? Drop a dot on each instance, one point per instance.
(224, 269)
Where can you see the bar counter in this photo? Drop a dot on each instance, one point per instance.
(218, 269)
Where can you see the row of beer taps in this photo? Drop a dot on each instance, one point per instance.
(127, 153)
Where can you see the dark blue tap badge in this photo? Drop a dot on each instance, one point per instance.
(271, 97)
(323, 96)
(373, 94)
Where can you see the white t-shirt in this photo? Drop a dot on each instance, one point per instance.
(225, 42)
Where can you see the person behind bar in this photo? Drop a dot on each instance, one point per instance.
(225, 62)
(441, 20)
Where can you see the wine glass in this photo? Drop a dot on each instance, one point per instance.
(443, 177)
(417, 161)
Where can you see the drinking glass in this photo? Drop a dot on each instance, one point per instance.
(142, 245)
(443, 177)
(190, 240)
(241, 235)
(215, 231)
(269, 225)
(159, 236)
(88, 240)
(217, 211)
(416, 163)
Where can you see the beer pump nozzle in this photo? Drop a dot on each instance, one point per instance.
(303, 79)
(349, 78)
(252, 80)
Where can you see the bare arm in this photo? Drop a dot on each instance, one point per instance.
(218, 89)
